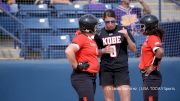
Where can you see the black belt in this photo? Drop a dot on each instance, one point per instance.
(85, 72)
(143, 71)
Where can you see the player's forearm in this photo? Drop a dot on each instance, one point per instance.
(131, 45)
(70, 54)
(159, 53)
(146, 7)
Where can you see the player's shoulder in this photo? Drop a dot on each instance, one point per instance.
(116, 9)
(80, 37)
(153, 36)
(102, 32)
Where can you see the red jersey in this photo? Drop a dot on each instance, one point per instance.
(148, 48)
(88, 51)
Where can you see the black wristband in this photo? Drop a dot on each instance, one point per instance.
(156, 61)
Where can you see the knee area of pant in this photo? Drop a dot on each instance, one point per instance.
(151, 98)
(83, 98)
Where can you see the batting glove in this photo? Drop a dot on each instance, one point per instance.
(82, 65)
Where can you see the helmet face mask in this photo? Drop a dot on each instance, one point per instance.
(140, 28)
(87, 23)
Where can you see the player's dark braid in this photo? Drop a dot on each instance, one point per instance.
(157, 31)
(160, 33)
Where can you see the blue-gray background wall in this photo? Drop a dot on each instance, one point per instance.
(49, 80)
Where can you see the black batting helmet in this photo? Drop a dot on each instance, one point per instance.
(87, 23)
(151, 23)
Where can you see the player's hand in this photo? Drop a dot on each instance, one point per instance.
(82, 65)
(149, 69)
(108, 49)
(124, 32)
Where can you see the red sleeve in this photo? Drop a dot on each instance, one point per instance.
(154, 42)
(79, 39)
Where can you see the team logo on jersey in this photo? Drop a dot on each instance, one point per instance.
(127, 20)
(111, 40)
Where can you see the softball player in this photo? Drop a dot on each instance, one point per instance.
(83, 56)
(151, 55)
(114, 66)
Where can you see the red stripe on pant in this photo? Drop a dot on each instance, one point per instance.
(85, 99)
(150, 98)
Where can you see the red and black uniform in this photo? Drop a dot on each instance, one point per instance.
(114, 66)
(84, 81)
(154, 79)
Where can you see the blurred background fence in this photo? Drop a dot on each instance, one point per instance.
(42, 29)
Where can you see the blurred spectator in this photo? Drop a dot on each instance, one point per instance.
(128, 16)
(4, 6)
(84, 1)
(39, 2)
(109, 1)
(25, 1)
(11, 2)
(60, 1)
(8, 1)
